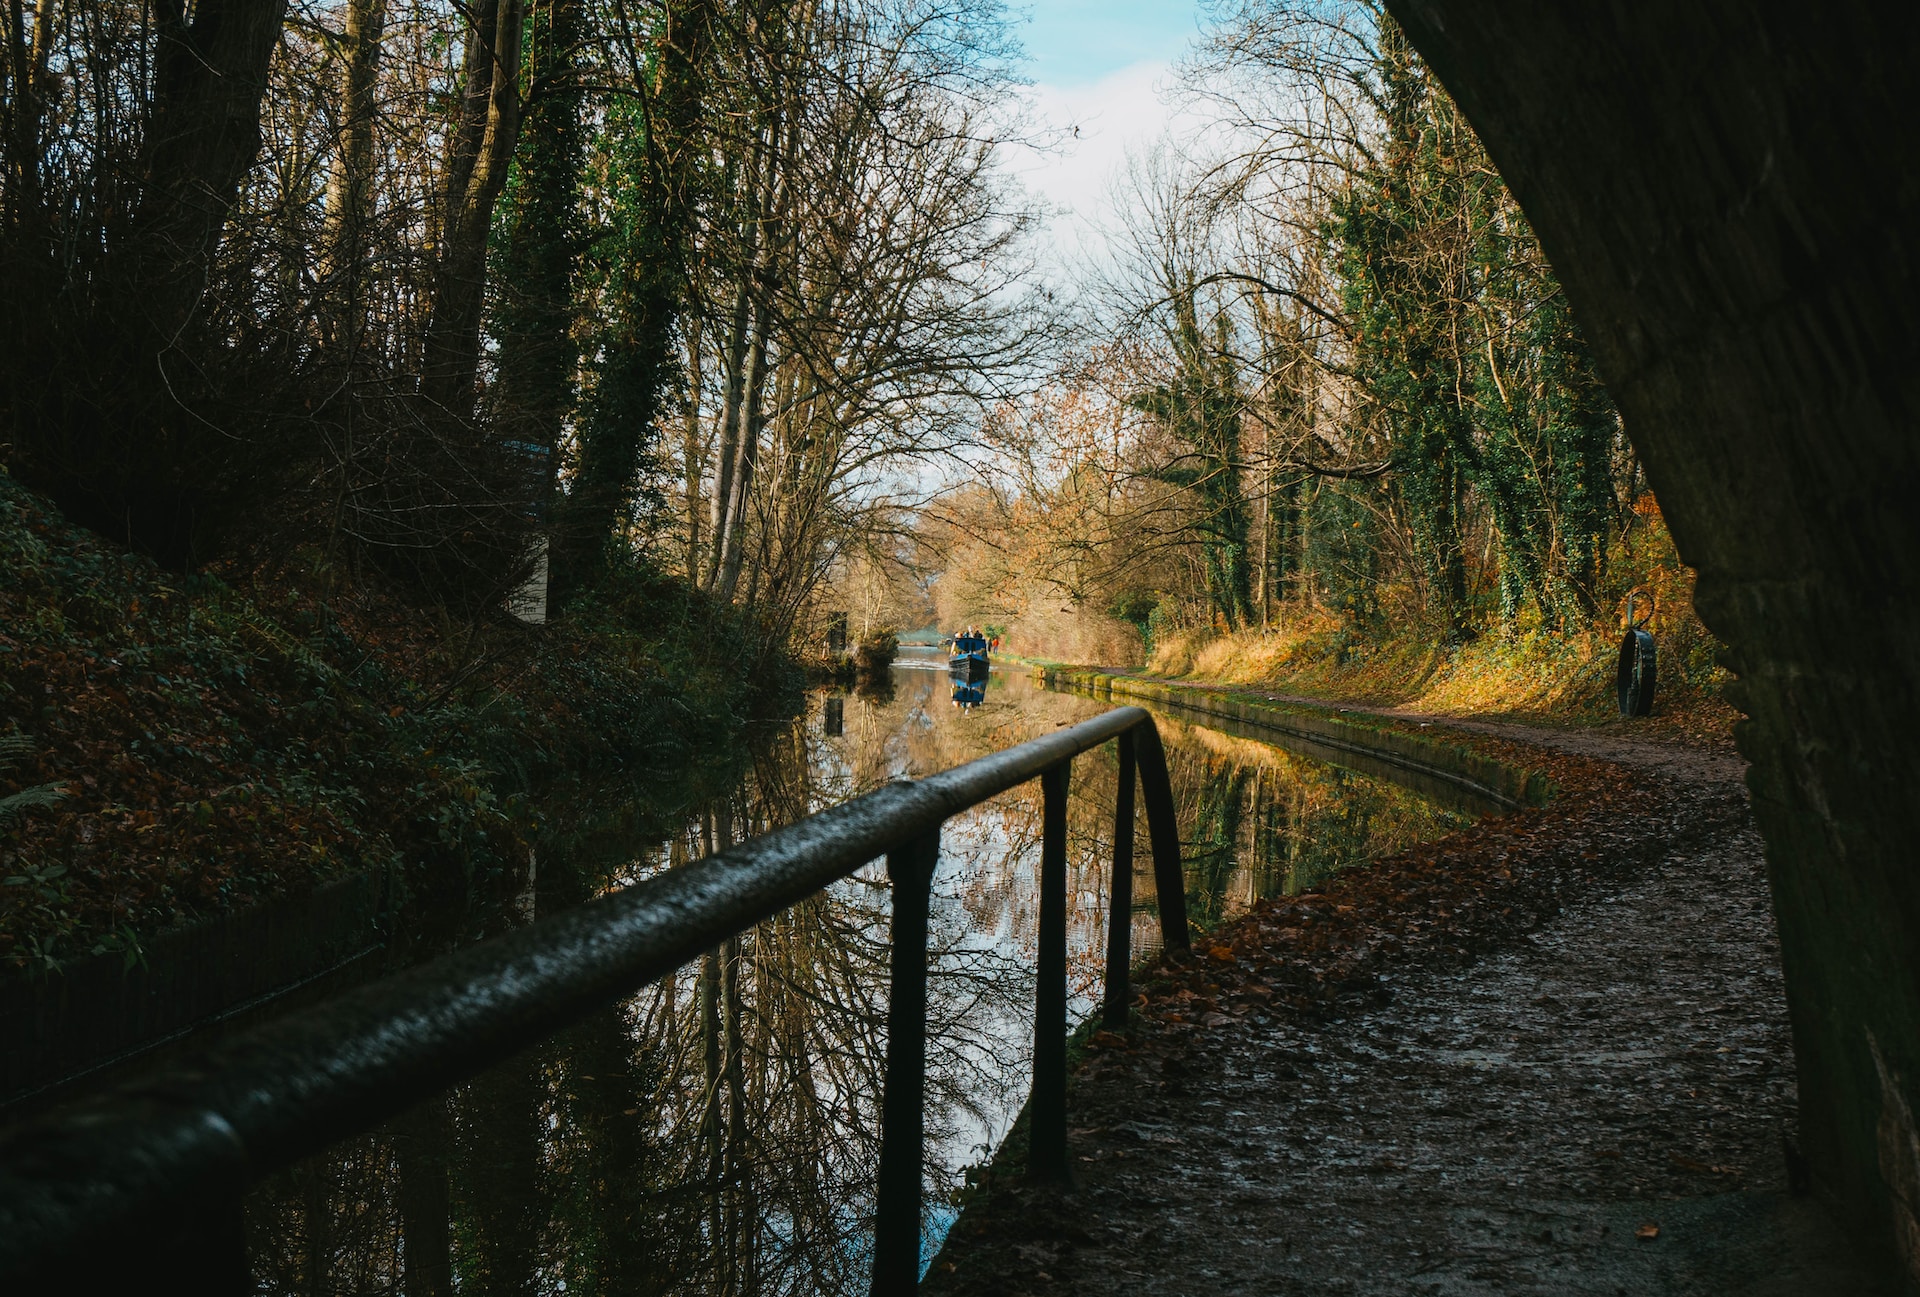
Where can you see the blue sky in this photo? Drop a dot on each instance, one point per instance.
(1074, 43)
(1101, 70)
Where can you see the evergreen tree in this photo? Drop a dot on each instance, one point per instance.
(1201, 408)
(1463, 341)
(1406, 299)
(538, 250)
(651, 153)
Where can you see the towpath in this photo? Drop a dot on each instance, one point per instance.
(1551, 1057)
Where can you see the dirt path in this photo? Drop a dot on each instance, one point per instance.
(1599, 1103)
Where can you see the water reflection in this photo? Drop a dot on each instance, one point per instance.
(718, 1133)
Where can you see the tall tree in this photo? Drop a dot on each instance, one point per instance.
(1405, 290)
(539, 251)
(350, 182)
(112, 243)
(480, 151)
(654, 180)
(1200, 406)
(24, 108)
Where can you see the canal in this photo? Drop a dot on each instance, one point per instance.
(718, 1133)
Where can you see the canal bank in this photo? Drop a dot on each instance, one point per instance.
(218, 793)
(716, 1130)
(1546, 1053)
(1439, 759)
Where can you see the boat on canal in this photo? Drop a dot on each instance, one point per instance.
(967, 655)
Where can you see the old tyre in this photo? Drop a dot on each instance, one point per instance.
(1637, 674)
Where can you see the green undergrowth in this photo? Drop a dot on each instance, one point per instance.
(177, 746)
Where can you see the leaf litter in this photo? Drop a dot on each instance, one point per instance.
(1486, 1064)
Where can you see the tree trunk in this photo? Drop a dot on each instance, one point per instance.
(737, 347)
(202, 135)
(619, 427)
(692, 454)
(350, 182)
(504, 1211)
(711, 1126)
(733, 542)
(127, 451)
(29, 85)
(533, 322)
(479, 154)
(738, 1170)
(426, 1203)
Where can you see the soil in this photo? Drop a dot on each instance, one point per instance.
(1547, 1055)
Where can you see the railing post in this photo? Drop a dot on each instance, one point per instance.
(896, 1243)
(1047, 1106)
(1163, 829)
(1120, 895)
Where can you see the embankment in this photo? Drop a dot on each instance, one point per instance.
(1440, 761)
(219, 784)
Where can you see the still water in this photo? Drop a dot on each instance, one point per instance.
(718, 1133)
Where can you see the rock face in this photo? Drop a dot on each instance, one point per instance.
(1729, 191)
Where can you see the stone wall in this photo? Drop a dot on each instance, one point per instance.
(1729, 191)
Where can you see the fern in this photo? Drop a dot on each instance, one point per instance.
(28, 799)
(15, 749)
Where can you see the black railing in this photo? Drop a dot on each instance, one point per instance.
(142, 1187)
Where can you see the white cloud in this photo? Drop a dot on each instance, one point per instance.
(1103, 122)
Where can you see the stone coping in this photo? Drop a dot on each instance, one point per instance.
(1429, 752)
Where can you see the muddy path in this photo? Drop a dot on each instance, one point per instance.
(1547, 1055)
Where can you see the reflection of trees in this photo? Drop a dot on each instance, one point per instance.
(423, 1139)
(718, 1133)
(331, 1226)
(500, 1206)
(1257, 820)
(1212, 854)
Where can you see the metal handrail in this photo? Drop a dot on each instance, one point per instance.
(151, 1175)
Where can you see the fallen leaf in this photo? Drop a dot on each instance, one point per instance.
(1647, 1232)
